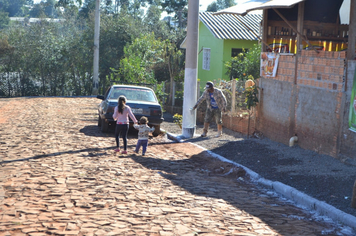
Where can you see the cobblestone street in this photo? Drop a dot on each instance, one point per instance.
(60, 176)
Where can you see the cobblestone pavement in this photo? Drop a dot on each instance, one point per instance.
(60, 176)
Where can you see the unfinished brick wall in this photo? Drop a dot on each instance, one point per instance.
(236, 123)
(320, 90)
(323, 70)
(240, 124)
(274, 109)
(308, 105)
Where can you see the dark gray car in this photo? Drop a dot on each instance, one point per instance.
(142, 100)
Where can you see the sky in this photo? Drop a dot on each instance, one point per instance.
(204, 4)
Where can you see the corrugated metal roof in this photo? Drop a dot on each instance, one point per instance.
(243, 6)
(226, 26)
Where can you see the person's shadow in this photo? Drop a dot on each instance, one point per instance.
(94, 131)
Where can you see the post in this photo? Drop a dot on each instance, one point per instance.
(233, 96)
(190, 75)
(352, 32)
(173, 93)
(300, 27)
(95, 89)
(264, 30)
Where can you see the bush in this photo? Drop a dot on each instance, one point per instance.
(245, 64)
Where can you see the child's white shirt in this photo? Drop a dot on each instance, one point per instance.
(143, 131)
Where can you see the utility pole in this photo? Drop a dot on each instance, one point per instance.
(191, 73)
(96, 49)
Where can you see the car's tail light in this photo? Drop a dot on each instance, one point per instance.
(156, 112)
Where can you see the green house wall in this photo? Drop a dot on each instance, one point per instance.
(220, 52)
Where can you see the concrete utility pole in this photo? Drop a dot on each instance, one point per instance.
(191, 73)
(96, 49)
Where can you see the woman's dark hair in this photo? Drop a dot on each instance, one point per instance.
(121, 105)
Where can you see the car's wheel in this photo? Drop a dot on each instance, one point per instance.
(99, 121)
(157, 130)
(104, 126)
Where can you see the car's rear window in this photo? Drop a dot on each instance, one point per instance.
(133, 94)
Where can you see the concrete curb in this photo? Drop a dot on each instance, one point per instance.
(288, 192)
(295, 195)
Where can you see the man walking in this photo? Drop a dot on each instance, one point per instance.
(216, 103)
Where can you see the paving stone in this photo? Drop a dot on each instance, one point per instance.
(81, 187)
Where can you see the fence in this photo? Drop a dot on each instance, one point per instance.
(237, 118)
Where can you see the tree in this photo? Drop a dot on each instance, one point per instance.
(220, 5)
(178, 7)
(50, 9)
(13, 7)
(45, 9)
(55, 58)
(245, 64)
(115, 33)
(153, 23)
(4, 19)
(4, 45)
(140, 59)
(88, 6)
(172, 57)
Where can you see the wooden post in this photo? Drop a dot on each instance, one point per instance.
(264, 31)
(300, 27)
(352, 32)
(173, 93)
(233, 96)
(304, 37)
(353, 200)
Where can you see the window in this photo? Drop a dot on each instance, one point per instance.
(206, 59)
(236, 51)
(133, 94)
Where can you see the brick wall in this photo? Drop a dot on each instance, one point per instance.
(274, 110)
(324, 70)
(320, 81)
(309, 105)
(236, 123)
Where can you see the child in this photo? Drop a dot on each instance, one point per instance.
(143, 131)
(121, 115)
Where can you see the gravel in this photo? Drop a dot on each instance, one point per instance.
(319, 176)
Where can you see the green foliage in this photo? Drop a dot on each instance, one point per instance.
(4, 19)
(160, 94)
(178, 119)
(245, 64)
(13, 7)
(47, 59)
(153, 23)
(220, 4)
(251, 98)
(56, 58)
(140, 58)
(179, 8)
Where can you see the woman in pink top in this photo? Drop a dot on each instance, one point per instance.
(121, 116)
